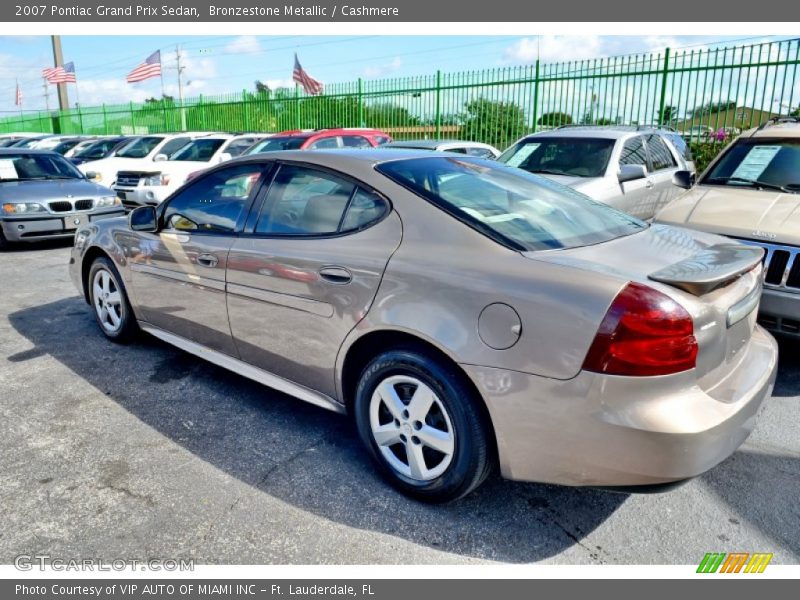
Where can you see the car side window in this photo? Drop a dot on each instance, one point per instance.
(633, 152)
(457, 150)
(236, 147)
(308, 201)
(172, 146)
(328, 142)
(355, 141)
(214, 203)
(660, 155)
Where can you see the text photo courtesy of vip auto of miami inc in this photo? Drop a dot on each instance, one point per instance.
(464, 301)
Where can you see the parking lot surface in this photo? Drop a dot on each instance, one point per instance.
(144, 451)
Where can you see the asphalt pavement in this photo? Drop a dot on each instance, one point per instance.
(144, 451)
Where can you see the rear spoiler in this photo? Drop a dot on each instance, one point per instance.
(710, 269)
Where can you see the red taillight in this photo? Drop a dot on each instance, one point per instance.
(644, 332)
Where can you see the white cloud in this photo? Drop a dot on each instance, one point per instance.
(245, 44)
(382, 70)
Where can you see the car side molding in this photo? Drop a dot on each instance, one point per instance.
(245, 370)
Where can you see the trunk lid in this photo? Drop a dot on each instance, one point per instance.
(717, 281)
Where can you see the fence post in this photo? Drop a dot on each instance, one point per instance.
(438, 103)
(80, 118)
(246, 124)
(105, 120)
(361, 122)
(535, 111)
(664, 75)
(133, 121)
(297, 106)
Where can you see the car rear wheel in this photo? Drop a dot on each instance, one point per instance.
(112, 310)
(422, 425)
(3, 241)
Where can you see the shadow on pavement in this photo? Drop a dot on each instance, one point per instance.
(304, 455)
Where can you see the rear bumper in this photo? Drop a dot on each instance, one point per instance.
(780, 312)
(50, 227)
(599, 430)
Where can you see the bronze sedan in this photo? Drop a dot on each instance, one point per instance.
(466, 313)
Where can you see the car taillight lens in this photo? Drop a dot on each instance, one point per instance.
(643, 333)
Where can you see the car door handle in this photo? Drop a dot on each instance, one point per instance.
(649, 185)
(207, 260)
(338, 275)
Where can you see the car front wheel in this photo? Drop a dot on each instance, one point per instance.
(112, 310)
(422, 425)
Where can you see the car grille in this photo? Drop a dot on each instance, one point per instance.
(61, 206)
(782, 266)
(127, 179)
(67, 206)
(86, 204)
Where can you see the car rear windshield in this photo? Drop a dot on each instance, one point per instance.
(574, 157)
(274, 144)
(200, 150)
(754, 162)
(140, 148)
(520, 210)
(30, 167)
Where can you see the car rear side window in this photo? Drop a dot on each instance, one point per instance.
(172, 146)
(214, 203)
(660, 155)
(303, 201)
(329, 142)
(633, 152)
(355, 141)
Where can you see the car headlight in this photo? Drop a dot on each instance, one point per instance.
(157, 179)
(107, 201)
(16, 208)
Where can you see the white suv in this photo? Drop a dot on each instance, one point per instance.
(151, 184)
(141, 152)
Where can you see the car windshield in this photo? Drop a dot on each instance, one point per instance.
(140, 148)
(277, 143)
(28, 167)
(574, 157)
(758, 162)
(199, 150)
(96, 150)
(515, 208)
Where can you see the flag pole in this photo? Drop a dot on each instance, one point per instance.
(19, 99)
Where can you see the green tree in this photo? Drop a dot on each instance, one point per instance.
(554, 119)
(388, 115)
(670, 114)
(492, 122)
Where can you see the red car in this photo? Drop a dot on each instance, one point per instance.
(313, 139)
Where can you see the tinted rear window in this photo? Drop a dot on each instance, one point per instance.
(516, 208)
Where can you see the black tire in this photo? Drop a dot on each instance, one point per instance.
(4, 243)
(127, 328)
(472, 459)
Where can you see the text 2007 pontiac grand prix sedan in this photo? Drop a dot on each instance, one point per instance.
(464, 312)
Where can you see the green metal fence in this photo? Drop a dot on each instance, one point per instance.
(708, 94)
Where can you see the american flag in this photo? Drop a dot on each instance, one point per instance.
(310, 85)
(63, 74)
(149, 68)
(18, 98)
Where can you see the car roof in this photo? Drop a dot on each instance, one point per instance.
(611, 132)
(432, 143)
(341, 156)
(6, 151)
(307, 133)
(788, 127)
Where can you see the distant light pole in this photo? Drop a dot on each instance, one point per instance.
(58, 59)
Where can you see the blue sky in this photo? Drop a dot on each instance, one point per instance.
(222, 64)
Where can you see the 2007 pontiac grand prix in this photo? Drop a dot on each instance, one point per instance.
(467, 314)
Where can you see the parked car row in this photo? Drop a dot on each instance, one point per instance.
(472, 313)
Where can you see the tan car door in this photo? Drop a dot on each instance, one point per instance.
(306, 271)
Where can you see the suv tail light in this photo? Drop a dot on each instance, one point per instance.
(644, 333)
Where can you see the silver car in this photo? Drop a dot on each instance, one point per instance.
(466, 314)
(478, 149)
(630, 169)
(43, 196)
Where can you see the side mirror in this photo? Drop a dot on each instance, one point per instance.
(143, 218)
(631, 173)
(160, 158)
(92, 175)
(683, 179)
(225, 156)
